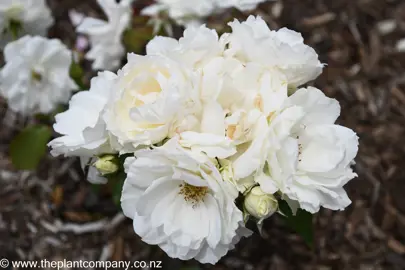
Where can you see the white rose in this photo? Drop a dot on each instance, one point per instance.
(82, 126)
(184, 12)
(242, 5)
(253, 41)
(35, 78)
(179, 202)
(154, 98)
(32, 17)
(312, 159)
(260, 204)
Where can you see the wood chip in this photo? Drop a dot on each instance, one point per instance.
(396, 246)
(319, 20)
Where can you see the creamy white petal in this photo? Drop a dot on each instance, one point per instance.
(213, 119)
(319, 108)
(211, 144)
(155, 98)
(253, 158)
(196, 48)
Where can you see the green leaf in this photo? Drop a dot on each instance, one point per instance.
(15, 27)
(301, 222)
(96, 188)
(29, 146)
(135, 39)
(291, 90)
(117, 191)
(76, 73)
(116, 181)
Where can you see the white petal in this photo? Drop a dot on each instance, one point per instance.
(319, 108)
(213, 119)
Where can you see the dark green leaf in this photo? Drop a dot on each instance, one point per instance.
(15, 27)
(96, 188)
(116, 181)
(117, 191)
(29, 147)
(135, 39)
(76, 73)
(301, 222)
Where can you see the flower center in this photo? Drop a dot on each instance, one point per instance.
(192, 193)
(36, 76)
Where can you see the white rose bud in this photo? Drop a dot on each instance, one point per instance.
(259, 204)
(106, 164)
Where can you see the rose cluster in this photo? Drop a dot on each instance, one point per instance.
(201, 121)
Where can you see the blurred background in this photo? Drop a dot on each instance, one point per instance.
(54, 213)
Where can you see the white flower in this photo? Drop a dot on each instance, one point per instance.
(82, 126)
(154, 98)
(31, 17)
(36, 75)
(260, 204)
(179, 202)
(242, 5)
(253, 41)
(105, 37)
(193, 12)
(306, 156)
(184, 12)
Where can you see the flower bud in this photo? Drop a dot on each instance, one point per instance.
(106, 164)
(259, 204)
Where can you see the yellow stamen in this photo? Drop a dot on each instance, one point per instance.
(36, 76)
(258, 102)
(230, 132)
(192, 193)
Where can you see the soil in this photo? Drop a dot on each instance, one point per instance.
(54, 213)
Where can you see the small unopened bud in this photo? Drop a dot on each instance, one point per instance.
(106, 164)
(259, 204)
